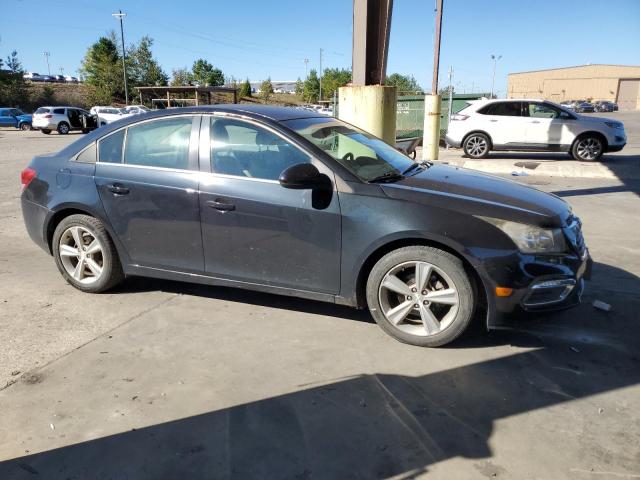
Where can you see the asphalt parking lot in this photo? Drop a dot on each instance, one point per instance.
(160, 379)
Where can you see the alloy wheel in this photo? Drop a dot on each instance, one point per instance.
(81, 254)
(418, 298)
(63, 129)
(589, 148)
(476, 146)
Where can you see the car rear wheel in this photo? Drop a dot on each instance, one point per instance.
(63, 128)
(421, 296)
(85, 254)
(588, 148)
(476, 145)
(46, 131)
(25, 126)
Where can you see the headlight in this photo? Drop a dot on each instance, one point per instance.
(616, 125)
(531, 239)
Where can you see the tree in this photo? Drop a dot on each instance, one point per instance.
(205, 74)
(102, 69)
(181, 77)
(334, 78)
(311, 89)
(299, 87)
(13, 89)
(245, 89)
(404, 83)
(142, 68)
(266, 89)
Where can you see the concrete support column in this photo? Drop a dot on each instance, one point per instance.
(431, 139)
(371, 108)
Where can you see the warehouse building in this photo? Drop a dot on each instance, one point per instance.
(617, 83)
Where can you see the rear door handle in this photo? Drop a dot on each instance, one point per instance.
(493, 120)
(221, 206)
(534, 121)
(118, 189)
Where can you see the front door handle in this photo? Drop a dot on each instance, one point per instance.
(493, 120)
(221, 206)
(118, 189)
(534, 121)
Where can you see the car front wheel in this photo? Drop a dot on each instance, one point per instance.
(85, 254)
(476, 145)
(421, 296)
(588, 148)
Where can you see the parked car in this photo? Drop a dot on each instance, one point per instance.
(292, 202)
(30, 75)
(108, 114)
(70, 79)
(583, 107)
(64, 120)
(605, 106)
(568, 104)
(14, 117)
(532, 125)
(136, 109)
(59, 78)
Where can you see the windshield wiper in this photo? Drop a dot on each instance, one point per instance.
(424, 165)
(387, 177)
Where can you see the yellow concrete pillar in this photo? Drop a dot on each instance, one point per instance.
(371, 108)
(431, 139)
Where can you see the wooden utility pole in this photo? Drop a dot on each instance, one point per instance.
(436, 48)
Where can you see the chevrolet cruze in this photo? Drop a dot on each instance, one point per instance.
(292, 202)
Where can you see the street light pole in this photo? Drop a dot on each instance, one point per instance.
(46, 55)
(493, 80)
(120, 16)
(320, 93)
(306, 66)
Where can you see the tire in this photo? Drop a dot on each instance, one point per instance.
(587, 148)
(25, 126)
(63, 128)
(85, 130)
(476, 145)
(83, 275)
(450, 314)
(46, 131)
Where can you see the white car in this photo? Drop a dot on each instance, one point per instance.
(136, 109)
(108, 114)
(532, 125)
(63, 119)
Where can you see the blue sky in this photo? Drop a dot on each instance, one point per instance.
(257, 39)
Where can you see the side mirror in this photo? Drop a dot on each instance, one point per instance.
(303, 176)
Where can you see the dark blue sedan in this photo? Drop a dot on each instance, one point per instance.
(292, 202)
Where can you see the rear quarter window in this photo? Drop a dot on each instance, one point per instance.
(58, 111)
(110, 148)
(88, 155)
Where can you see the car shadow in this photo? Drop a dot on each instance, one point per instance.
(366, 426)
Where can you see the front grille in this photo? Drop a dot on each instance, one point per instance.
(573, 232)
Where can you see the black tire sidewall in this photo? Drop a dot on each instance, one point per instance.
(112, 271)
(450, 264)
(46, 131)
(466, 141)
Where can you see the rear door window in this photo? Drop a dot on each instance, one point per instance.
(161, 143)
(58, 111)
(505, 109)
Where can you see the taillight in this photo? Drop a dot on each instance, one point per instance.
(459, 117)
(48, 116)
(27, 175)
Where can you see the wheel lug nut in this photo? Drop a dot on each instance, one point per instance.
(426, 302)
(424, 292)
(417, 306)
(414, 290)
(408, 297)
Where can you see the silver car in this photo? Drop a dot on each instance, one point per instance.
(63, 120)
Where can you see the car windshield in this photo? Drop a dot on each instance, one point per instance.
(364, 155)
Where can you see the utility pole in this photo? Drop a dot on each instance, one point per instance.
(306, 65)
(450, 94)
(320, 94)
(47, 55)
(431, 131)
(120, 16)
(495, 59)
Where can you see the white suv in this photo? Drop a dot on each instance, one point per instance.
(108, 114)
(63, 119)
(532, 125)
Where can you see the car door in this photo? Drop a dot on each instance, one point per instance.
(253, 229)
(504, 123)
(147, 179)
(6, 119)
(548, 127)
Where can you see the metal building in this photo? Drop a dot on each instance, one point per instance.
(617, 83)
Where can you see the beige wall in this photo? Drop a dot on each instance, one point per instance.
(595, 82)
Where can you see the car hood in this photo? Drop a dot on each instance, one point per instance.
(598, 119)
(471, 192)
